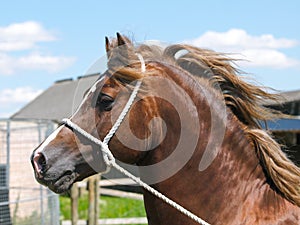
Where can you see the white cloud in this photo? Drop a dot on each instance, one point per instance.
(45, 62)
(13, 99)
(33, 61)
(18, 95)
(6, 64)
(267, 58)
(258, 51)
(24, 38)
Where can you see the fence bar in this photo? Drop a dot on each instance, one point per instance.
(92, 196)
(23, 200)
(74, 204)
(113, 221)
(41, 188)
(97, 196)
(7, 152)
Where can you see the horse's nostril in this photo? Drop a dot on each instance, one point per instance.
(39, 163)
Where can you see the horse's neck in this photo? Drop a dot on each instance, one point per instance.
(232, 187)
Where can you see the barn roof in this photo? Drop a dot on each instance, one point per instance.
(292, 96)
(64, 95)
(285, 97)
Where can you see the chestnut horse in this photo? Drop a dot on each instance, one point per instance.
(193, 131)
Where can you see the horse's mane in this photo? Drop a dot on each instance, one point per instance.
(243, 98)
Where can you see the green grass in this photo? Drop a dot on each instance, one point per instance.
(110, 207)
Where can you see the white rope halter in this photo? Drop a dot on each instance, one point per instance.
(110, 161)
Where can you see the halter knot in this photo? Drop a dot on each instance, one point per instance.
(108, 157)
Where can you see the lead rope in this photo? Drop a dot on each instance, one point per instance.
(110, 161)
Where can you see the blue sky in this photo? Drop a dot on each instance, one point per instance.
(45, 41)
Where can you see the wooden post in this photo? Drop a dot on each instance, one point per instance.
(97, 193)
(74, 204)
(93, 187)
(91, 210)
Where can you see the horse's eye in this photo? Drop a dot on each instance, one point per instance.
(105, 102)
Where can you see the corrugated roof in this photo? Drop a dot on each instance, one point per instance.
(286, 97)
(291, 96)
(58, 101)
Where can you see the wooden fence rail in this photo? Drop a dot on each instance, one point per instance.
(115, 221)
(93, 185)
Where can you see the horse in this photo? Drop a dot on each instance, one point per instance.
(194, 131)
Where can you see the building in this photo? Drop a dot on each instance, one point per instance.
(287, 131)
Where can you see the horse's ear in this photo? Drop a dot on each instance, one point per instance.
(119, 51)
(124, 48)
(121, 40)
(107, 47)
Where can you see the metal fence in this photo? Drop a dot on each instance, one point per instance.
(22, 200)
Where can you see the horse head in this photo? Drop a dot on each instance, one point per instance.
(66, 156)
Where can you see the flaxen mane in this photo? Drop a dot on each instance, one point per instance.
(244, 100)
